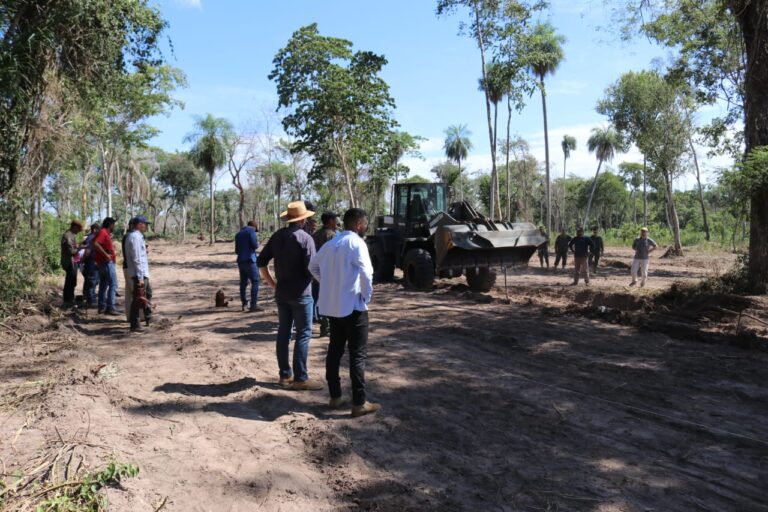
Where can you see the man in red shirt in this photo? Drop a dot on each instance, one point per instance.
(105, 261)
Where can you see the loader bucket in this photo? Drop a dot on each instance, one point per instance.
(468, 245)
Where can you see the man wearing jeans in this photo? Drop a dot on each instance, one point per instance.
(292, 248)
(69, 250)
(581, 247)
(105, 261)
(343, 269)
(246, 243)
(643, 247)
(90, 271)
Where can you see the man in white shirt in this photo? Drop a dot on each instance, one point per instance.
(137, 271)
(343, 269)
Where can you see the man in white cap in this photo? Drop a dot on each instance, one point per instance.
(643, 247)
(138, 290)
(292, 248)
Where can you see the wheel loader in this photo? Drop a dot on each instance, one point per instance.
(427, 238)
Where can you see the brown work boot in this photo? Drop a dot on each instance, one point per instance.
(306, 385)
(337, 403)
(366, 408)
(285, 382)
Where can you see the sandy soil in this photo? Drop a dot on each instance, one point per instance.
(488, 404)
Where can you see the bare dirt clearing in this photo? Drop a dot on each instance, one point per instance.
(487, 405)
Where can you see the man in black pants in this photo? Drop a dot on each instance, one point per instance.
(597, 252)
(343, 269)
(69, 250)
(561, 248)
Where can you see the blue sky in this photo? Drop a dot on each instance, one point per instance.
(226, 48)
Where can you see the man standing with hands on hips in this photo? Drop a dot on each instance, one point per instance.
(643, 247)
(343, 269)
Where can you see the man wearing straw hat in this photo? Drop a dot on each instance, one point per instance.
(291, 248)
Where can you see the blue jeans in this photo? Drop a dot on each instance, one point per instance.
(90, 280)
(107, 285)
(249, 272)
(298, 311)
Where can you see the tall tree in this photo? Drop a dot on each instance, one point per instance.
(495, 84)
(545, 53)
(181, 179)
(568, 144)
(604, 143)
(722, 54)
(339, 107)
(649, 111)
(210, 140)
(457, 146)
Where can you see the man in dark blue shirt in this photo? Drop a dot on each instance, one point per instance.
(246, 243)
(581, 246)
(292, 247)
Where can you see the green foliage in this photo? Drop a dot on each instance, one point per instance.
(85, 495)
(180, 177)
(544, 50)
(209, 142)
(26, 258)
(338, 107)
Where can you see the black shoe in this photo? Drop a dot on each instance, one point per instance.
(101, 311)
(113, 312)
(256, 309)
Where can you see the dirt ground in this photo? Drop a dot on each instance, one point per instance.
(488, 404)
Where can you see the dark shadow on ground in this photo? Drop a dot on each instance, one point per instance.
(208, 389)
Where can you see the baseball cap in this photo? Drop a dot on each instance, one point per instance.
(140, 218)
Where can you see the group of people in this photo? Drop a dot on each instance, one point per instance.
(587, 251)
(95, 257)
(321, 275)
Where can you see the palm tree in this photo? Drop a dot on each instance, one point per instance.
(568, 144)
(495, 85)
(457, 146)
(604, 143)
(209, 151)
(545, 53)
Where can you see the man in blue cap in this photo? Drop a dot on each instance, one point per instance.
(137, 270)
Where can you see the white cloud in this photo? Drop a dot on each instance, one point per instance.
(189, 4)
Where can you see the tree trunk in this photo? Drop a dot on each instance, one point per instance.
(506, 164)
(645, 193)
(461, 180)
(592, 194)
(562, 208)
(184, 221)
(491, 132)
(674, 222)
(546, 155)
(210, 181)
(701, 191)
(751, 16)
(495, 178)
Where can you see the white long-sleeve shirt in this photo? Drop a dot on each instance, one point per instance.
(343, 268)
(136, 255)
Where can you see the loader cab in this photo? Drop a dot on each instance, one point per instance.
(416, 203)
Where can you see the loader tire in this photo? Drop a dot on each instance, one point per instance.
(480, 279)
(418, 269)
(383, 263)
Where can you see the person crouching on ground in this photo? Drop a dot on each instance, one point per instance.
(643, 247)
(69, 252)
(292, 248)
(581, 246)
(343, 269)
(105, 261)
(246, 243)
(325, 234)
(138, 274)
